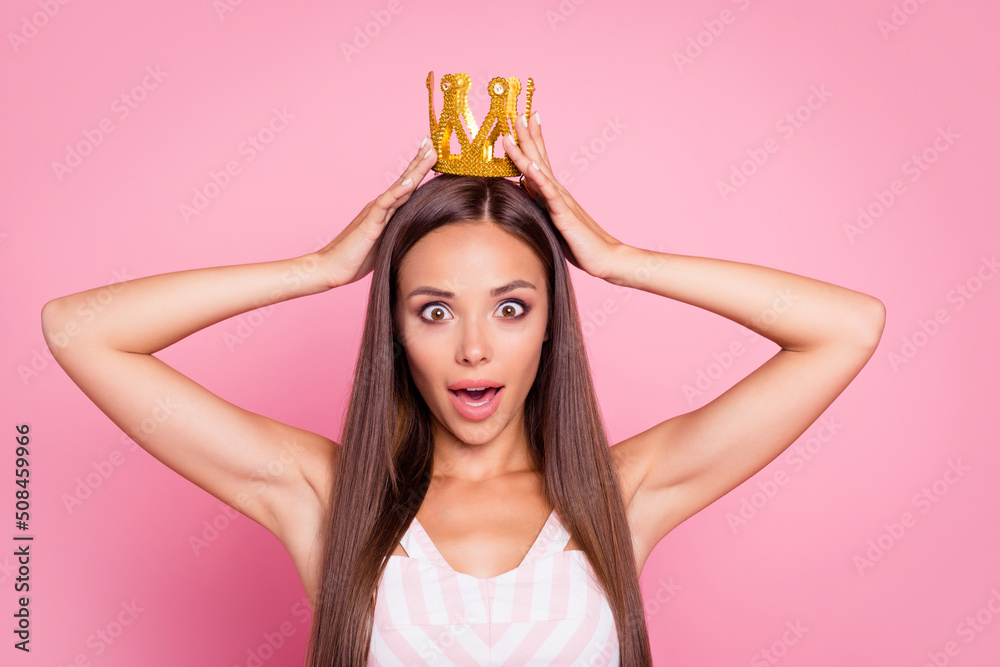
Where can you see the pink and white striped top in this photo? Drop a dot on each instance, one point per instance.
(549, 610)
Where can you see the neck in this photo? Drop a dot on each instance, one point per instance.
(506, 453)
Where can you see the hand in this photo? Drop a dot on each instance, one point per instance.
(348, 257)
(586, 245)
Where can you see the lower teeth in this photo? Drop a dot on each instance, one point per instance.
(476, 405)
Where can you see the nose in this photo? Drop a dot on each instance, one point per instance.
(474, 344)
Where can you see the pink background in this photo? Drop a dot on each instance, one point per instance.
(643, 140)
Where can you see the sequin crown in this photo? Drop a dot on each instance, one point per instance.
(476, 158)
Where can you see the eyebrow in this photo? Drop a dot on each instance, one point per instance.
(496, 291)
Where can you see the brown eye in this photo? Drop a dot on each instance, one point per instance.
(434, 313)
(511, 310)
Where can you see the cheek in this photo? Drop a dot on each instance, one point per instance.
(422, 360)
(520, 355)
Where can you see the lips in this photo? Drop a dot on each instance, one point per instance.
(476, 398)
(474, 383)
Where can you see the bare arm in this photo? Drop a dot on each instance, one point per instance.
(826, 334)
(248, 461)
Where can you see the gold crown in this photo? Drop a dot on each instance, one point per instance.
(476, 158)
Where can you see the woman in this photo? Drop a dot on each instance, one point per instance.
(472, 429)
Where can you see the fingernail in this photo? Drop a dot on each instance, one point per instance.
(535, 166)
(407, 181)
(423, 141)
(538, 119)
(427, 154)
(524, 120)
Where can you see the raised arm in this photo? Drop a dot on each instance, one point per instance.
(826, 334)
(278, 475)
(105, 338)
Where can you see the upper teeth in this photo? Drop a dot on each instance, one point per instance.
(475, 388)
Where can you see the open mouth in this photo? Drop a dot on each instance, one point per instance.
(476, 396)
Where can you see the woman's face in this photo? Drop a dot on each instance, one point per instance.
(472, 311)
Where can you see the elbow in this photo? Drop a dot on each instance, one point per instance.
(56, 325)
(870, 322)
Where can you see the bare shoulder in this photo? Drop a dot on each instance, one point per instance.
(631, 461)
(300, 512)
(627, 467)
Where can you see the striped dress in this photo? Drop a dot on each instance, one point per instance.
(549, 610)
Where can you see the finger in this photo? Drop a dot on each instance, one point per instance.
(521, 154)
(524, 141)
(546, 190)
(535, 130)
(400, 191)
(530, 170)
(545, 186)
(515, 153)
(401, 188)
(422, 152)
(529, 136)
(421, 163)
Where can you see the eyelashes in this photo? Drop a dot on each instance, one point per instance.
(438, 306)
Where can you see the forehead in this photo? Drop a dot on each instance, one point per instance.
(474, 255)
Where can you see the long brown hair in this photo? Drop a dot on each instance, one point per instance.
(387, 445)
